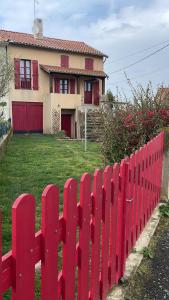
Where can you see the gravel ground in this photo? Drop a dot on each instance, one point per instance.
(151, 281)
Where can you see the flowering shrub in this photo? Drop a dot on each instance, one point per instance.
(129, 125)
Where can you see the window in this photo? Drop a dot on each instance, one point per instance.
(65, 61)
(64, 86)
(25, 74)
(89, 63)
(88, 86)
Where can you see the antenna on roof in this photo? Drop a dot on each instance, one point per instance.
(36, 2)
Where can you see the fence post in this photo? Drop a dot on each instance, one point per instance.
(164, 139)
(124, 180)
(23, 244)
(50, 241)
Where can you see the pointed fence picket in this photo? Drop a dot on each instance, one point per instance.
(96, 233)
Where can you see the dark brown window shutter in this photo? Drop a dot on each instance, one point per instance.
(96, 92)
(57, 86)
(17, 73)
(65, 61)
(35, 80)
(89, 63)
(72, 86)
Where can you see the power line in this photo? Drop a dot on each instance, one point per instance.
(139, 60)
(141, 75)
(138, 52)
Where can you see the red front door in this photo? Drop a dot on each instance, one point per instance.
(66, 124)
(88, 92)
(27, 116)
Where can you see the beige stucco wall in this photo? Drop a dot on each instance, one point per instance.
(65, 101)
(51, 101)
(48, 57)
(60, 103)
(47, 114)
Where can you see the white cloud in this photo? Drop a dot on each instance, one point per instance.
(118, 31)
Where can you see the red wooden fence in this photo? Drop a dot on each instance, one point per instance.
(97, 233)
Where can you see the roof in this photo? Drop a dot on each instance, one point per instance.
(56, 69)
(25, 39)
(163, 94)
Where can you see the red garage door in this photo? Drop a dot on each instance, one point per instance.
(27, 116)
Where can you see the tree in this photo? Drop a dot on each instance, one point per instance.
(6, 75)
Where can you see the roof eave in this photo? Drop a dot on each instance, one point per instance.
(73, 73)
(55, 49)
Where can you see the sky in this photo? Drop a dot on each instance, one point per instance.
(123, 29)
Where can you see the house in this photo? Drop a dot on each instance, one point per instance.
(163, 94)
(53, 79)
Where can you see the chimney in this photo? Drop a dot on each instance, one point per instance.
(38, 28)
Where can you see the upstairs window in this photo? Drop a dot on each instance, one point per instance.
(25, 74)
(89, 63)
(65, 61)
(64, 86)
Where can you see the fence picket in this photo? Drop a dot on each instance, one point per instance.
(130, 204)
(69, 241)
(96, 236)
(113, 228)
(141, 187)
(84, 237)
(120, 212)
(23, 244)
(50, 240)
(107, 175)
(124, 176)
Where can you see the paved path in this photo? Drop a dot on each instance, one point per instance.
(151, 282)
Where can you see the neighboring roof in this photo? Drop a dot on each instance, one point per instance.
(163, 94)
(56, 69)
(25, 39)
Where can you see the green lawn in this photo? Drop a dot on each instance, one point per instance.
(33, 161)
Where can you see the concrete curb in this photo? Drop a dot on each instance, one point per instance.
(134, 259)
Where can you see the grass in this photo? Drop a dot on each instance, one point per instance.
(33, 161)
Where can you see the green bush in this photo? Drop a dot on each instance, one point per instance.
(4, 127)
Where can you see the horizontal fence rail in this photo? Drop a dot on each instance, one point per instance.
(84, 250)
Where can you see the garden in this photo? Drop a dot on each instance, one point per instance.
(33, 161)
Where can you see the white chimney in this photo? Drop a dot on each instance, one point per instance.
(38, 28)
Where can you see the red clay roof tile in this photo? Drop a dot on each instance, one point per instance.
(57, 69)
(26, 39)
